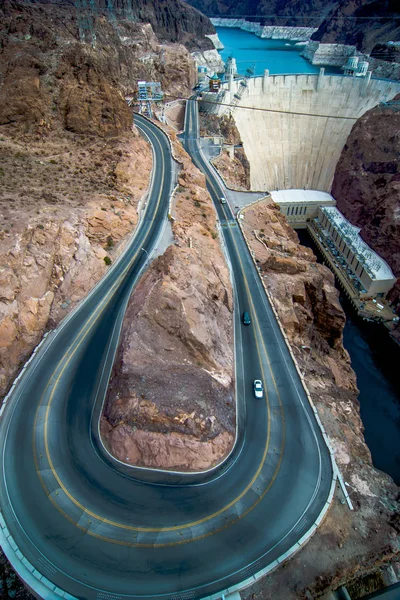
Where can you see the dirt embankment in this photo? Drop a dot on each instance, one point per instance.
(348, 544)
(235, 169)
(171, 397)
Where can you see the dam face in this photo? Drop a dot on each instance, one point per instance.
(298, 151)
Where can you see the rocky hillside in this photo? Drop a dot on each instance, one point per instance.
(269, 12)
(171, 20)
(362, 23)
(171, 398)
(367, 182)
(72, 169)
(234, 170)
(348, 544)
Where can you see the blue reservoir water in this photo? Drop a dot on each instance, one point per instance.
(279, 56)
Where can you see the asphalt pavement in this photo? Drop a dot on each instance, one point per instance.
(98, 529)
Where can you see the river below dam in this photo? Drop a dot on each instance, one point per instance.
(375, 358)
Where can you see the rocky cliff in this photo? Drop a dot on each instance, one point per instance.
(275, 32)
(347, 544)
(361, 23)
(232, 164)
(294, 13)
(72, 170)
(171, 398)
(367, 182)
(171, 20)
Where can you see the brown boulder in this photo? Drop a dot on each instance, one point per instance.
(284, 264)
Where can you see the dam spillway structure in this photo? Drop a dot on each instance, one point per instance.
(294, 127)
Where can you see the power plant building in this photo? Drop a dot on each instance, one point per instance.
(363, 273)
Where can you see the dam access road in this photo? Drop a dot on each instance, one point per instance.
(75, 523)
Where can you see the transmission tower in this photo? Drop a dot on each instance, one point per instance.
(242, 86)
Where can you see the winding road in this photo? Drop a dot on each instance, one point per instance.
(77, 523)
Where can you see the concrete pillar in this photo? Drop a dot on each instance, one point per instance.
(265, 80)
(320, 78)
(230, 81)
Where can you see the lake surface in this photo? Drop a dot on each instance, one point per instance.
(375, 358)
(279, 56)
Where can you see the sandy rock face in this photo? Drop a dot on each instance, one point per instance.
(347, 544)
(172, 386)
(234, 169)
(72, 170)
(52, 257)
(303, 290)
(167, 450)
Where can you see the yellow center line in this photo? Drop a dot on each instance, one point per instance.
(162, 529)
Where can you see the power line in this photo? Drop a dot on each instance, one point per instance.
(269, 110)
(304, 17)
(282, 60)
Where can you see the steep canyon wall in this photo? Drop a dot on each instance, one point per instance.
(367, 184)
(288, 150)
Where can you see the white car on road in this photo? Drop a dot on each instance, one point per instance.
(258, 388)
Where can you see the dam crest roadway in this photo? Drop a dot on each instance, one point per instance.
(77, 524)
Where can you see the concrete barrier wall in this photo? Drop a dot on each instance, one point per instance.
(297, 151)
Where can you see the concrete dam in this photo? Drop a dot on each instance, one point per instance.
(298, 151)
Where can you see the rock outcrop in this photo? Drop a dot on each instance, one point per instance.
(286, 13)
(303, 290)
(74, 204)
(171, 397)
(72, 170)
(172, 20)
(232, 164)
(210, 59)
(347, 544)
(367, 183)
(362, 23)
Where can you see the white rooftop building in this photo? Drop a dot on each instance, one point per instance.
(301, 206)
(369, 274)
